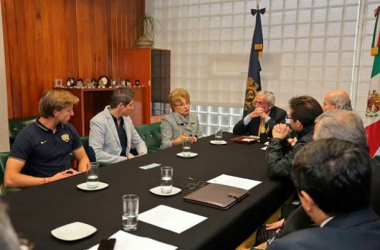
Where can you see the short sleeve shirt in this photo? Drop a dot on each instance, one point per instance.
(45, 153)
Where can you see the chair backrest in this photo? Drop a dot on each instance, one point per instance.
(16, 125)
(151, 134)
(85, 144)
(3, 161)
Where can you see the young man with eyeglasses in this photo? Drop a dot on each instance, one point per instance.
(112, 132)
(180, 124)
(264, 115)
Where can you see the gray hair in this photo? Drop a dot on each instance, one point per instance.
(269, 96)
(8, 238)
(341, 124)
(341, 99)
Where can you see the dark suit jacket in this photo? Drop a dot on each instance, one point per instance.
(299, 220)
(277, 115)
(356, 230)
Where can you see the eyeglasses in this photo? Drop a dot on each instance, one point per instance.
(192, 185)
(183, 104)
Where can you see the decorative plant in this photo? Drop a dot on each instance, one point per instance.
(150, 26)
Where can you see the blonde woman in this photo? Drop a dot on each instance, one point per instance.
(180, 124)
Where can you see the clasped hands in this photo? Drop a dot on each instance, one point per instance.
(258, 112)
(64, 174)
(281, 131)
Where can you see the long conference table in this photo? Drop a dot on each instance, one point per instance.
(36, 211)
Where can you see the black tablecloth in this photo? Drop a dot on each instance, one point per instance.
(36, 211)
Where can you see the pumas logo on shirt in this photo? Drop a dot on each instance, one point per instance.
(65, 137)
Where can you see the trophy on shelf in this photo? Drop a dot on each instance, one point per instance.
(128, 82)
(80, 83)
(88, 83)
(70, 82)
(103, 82)
(58, 83)
(94, 83)
(114, 83)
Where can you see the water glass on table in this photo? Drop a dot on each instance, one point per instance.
(92, 175)
(130, 212)
(218, 136)
(186, 147)
(166, 180)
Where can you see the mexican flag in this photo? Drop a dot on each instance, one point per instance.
(372, 121)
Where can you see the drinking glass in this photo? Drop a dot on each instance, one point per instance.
(166, 180)
(186, 147)
(218, 136)
(130, 212)
(92, 175)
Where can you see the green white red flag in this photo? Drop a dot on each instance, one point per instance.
(372, 121)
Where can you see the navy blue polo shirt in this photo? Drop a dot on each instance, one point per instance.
(45, 153)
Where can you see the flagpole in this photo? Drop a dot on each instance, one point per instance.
(357, 48)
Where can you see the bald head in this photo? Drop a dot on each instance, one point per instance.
(336, 99)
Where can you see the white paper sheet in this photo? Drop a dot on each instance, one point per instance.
(233, 181)
(171, 219)
(127, 241)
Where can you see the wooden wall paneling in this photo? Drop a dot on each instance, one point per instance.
(80, 35)
(94, 42)
(30, 16)
(98, 31)
(70, 38)
(7, 59)
(13, 66)
(23, 63)
(87, 42)
(115, 36)
(47, 40)
(108, 44)
(47, 48)
(38, 43)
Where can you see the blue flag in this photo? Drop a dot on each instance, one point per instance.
(253, 79)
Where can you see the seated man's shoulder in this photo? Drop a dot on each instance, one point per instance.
(99, 117)
(337, 238)
(279, 111)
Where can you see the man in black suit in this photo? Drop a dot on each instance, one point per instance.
(264, 112)
(333, 181)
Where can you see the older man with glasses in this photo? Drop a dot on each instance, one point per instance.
(262, 117)
(180, 124)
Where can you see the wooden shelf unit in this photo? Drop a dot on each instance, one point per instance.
(151, 67)
(94, 100)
